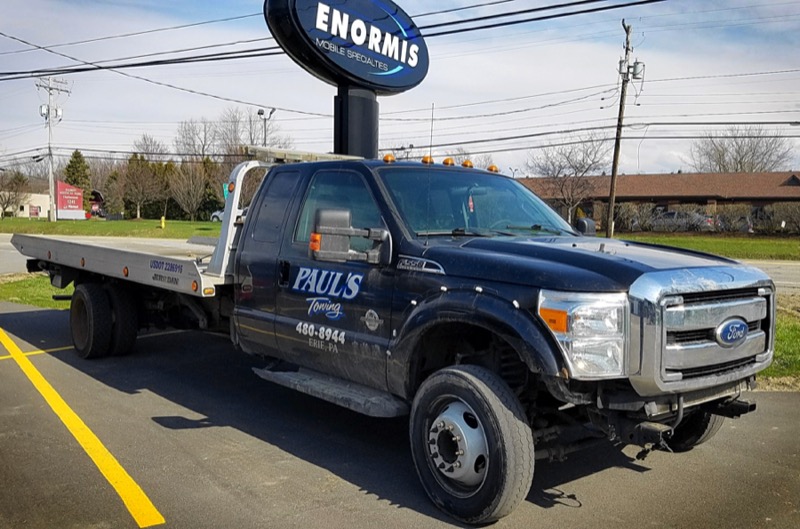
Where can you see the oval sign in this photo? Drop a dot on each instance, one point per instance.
(731, 333)
(371, 44)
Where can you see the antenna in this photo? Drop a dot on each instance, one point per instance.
(430, 147)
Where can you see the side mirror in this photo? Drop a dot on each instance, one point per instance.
(333, 230)
(587, 227)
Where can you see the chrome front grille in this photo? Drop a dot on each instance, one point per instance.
(698, 319)
(677, 318)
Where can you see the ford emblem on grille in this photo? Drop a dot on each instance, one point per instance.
(731, 333)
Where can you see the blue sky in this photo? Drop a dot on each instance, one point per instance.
(706, 60)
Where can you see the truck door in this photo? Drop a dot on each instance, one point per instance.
(257, 260)
(335, 317)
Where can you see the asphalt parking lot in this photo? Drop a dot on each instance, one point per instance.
(210, 445)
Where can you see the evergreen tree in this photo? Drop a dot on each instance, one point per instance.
(77, 174)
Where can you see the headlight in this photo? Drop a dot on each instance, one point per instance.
(591, 329)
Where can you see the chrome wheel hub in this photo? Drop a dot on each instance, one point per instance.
(457, 445)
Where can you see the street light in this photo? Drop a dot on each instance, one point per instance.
(264, 119)
(407, 149)
(514, 171)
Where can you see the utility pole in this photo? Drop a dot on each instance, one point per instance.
(49, 112)
(626, 70)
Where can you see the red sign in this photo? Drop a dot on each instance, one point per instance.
(69, 202)
(33, 211)
(69, 197)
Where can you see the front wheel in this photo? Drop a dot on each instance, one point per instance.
(471, 444)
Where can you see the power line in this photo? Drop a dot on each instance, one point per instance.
(136, 34)
(159, 83)
(512, 13)
(465, 8)
(540, 18)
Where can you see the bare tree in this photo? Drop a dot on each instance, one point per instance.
(741, 150)
(151, 148)
(195, 139)
(100, 170)
(13, 192)
(230, 131)
(568, 166)
(188, 187)
(236, 130)
(461, 155)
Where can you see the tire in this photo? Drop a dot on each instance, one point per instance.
(124, 320)
(90, 320)
(471, 444)
(694, 430)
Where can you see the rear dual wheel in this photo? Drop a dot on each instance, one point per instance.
(471, 444)
(103, 320)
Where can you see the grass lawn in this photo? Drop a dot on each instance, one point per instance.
(787, 349)
(32, 289)
(733, 246)
(151, 228)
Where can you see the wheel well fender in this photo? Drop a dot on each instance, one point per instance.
(456, 317)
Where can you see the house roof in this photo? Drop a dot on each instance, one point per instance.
(774, 187)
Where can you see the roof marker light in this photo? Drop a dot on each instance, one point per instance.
(427, 159)
(493, 169)
(449, 162)
(389, 158)
(467, 164)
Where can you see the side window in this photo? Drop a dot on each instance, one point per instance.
(339, 190)
(273, 207)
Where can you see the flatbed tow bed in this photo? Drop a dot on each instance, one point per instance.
(175, 265)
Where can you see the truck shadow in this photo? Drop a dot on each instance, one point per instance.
(203, 373)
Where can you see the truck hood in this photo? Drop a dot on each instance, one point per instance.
(564, 263)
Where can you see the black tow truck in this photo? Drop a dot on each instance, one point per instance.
(452, 295)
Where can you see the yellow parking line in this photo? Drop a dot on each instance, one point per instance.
(40, 352)
(138, 504)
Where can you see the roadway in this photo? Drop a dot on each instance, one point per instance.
(208, 444)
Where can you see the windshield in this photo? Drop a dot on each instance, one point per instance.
(448, 201)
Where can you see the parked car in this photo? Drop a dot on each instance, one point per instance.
(674, 221)
(217, 215)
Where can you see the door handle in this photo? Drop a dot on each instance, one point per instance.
(283, 273)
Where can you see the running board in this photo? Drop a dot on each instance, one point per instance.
(356, 397)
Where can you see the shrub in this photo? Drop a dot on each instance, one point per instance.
(733, 217)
